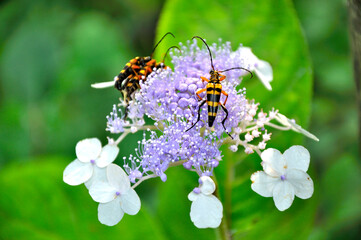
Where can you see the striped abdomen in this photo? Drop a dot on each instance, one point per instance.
(213, 96)
(132, 85)
(125, 73)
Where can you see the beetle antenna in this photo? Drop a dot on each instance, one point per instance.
(238, 68)
(160, 42)
(210, 53)
(168, 51)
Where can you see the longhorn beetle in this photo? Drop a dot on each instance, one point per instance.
(140, 71)
(137, 69)
(214, 91)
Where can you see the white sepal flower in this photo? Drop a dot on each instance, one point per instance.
(115, 196)
(91, 159)
(206, 209)
(262, 68)
(294, 126)
(284, 176)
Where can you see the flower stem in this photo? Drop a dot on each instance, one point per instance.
(121, 137)
(146, 127)
(177, 163)
(223, 229)
(143, 179)
(173, 164)
(277, 126)
(127, 131)
(228, 195)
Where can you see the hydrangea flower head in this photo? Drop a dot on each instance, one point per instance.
(168, 97)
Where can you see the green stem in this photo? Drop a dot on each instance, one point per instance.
(228, 193)
(173, 164)
(223, 230)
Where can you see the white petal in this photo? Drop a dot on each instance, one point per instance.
(118, 178)
(77, 172)
(295, 127)
(283, 195)
(206, 211)
(88, 149)
(107, 155)
(264, 72)
(273, 162)
(192, 196)
(102, 192)
(99, 175)
(103, 84)
(306, 133)
(297, 157)
(207, 186)
(302, 183)
(110, 213)
(263, 184)
(130, 202)
(282, 119)
(247, 54)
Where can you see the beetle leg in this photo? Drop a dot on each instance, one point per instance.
(134, 68)
(225, 94)
(222, 77)
(224, 120)
(126, 112)
(200, 91)
(204, 79)
(199, 115)
(151, 63)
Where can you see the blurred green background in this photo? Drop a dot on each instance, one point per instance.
(50, 53)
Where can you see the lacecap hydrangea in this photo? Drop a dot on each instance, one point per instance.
(168, 97)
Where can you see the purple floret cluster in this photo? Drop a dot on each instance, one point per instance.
(169, 98)
(175, 146)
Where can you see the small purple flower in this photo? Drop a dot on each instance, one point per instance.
(116, 123)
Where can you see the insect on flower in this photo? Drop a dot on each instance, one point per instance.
(214, 91)
(137, 69)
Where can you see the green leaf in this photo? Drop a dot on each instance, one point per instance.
(272, 30)
(35, 203)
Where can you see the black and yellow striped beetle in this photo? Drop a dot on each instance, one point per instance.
(214, 91)
(136, 70)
